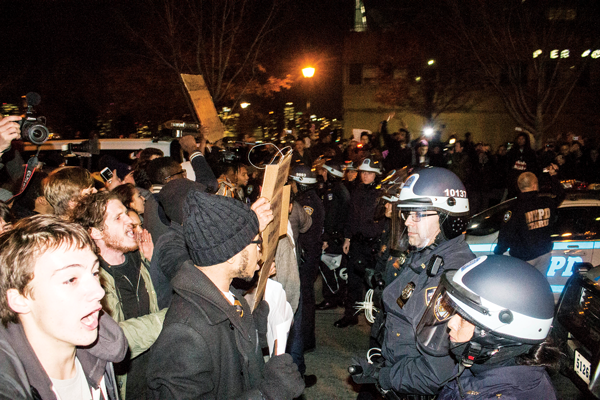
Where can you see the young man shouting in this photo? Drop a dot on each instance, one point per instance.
(55, 342)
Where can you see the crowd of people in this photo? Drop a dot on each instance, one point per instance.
(131, 280)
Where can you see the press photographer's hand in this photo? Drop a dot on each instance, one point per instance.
(9, 131)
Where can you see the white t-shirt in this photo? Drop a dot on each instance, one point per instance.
(77, 388)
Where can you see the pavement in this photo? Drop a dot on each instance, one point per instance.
(336, 347)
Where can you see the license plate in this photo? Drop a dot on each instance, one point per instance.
(582, 367)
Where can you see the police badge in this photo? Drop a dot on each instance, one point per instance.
(405, 295)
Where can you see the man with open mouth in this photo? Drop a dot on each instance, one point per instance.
(130, 295)
(55, 341)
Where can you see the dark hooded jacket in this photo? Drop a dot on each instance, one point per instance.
(22, 376)
(205, 349)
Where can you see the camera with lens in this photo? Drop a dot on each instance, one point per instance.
(33, 129)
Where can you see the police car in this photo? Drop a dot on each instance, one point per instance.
(576, 235)
(575, 329)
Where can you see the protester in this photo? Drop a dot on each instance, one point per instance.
(64, 186)
(130, 296)
(209, 346)
(56, 342)
(130, 197)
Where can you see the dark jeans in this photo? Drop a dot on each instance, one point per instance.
(295, 344)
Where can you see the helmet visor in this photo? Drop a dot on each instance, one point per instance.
(398, 236)
(432, 331)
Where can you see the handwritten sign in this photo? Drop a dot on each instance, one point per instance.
(273, 190)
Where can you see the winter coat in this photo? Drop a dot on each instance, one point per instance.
(140, 332)
(406, 369)
(205, 350)
(519, 382)
(22, 376)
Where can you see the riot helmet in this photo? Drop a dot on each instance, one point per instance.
(496, 307)
(349, 166)
(429, 191)
(370, 165)
(304, 177)
(333, 168)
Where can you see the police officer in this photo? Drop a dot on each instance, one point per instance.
(528, 224)
(432, 212)
(336, 201)
(498, 311)
(303, 181)
(361, 237)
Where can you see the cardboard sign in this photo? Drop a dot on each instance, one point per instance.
(273, 190)
(212, 126)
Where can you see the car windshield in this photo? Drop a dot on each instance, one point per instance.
(577, 223)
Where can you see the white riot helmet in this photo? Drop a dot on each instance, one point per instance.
(437, 189)
(333, 168)
(370, 165)
(509, 302)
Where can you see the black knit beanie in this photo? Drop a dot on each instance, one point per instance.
(216, 228)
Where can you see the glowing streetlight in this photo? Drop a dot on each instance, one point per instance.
(428, 131)
(244, 105)
(308, 72)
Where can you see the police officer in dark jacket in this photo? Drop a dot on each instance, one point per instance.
(336, 201)
(493, 315)
(526, 227)
(303, 181)
(361, 237)
(433, 208)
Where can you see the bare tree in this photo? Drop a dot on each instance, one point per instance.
(223, 40)
(420, 78)
(522, 51)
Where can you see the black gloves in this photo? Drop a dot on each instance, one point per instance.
(281, 380)
(260, 316)
(369, 374)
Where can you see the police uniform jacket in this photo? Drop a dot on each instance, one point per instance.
(406, 369)
(205, 350)
(526, 227)
(313, 206)
(336, 201)
(518, 382)
(363, 203)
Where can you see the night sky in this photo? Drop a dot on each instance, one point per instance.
(70, 52)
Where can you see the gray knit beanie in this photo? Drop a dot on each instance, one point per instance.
(216, 228)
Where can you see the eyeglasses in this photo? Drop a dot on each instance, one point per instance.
(258, 242)
(416, 215)
(183, 173)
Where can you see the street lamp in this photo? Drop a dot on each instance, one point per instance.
(308, 72)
